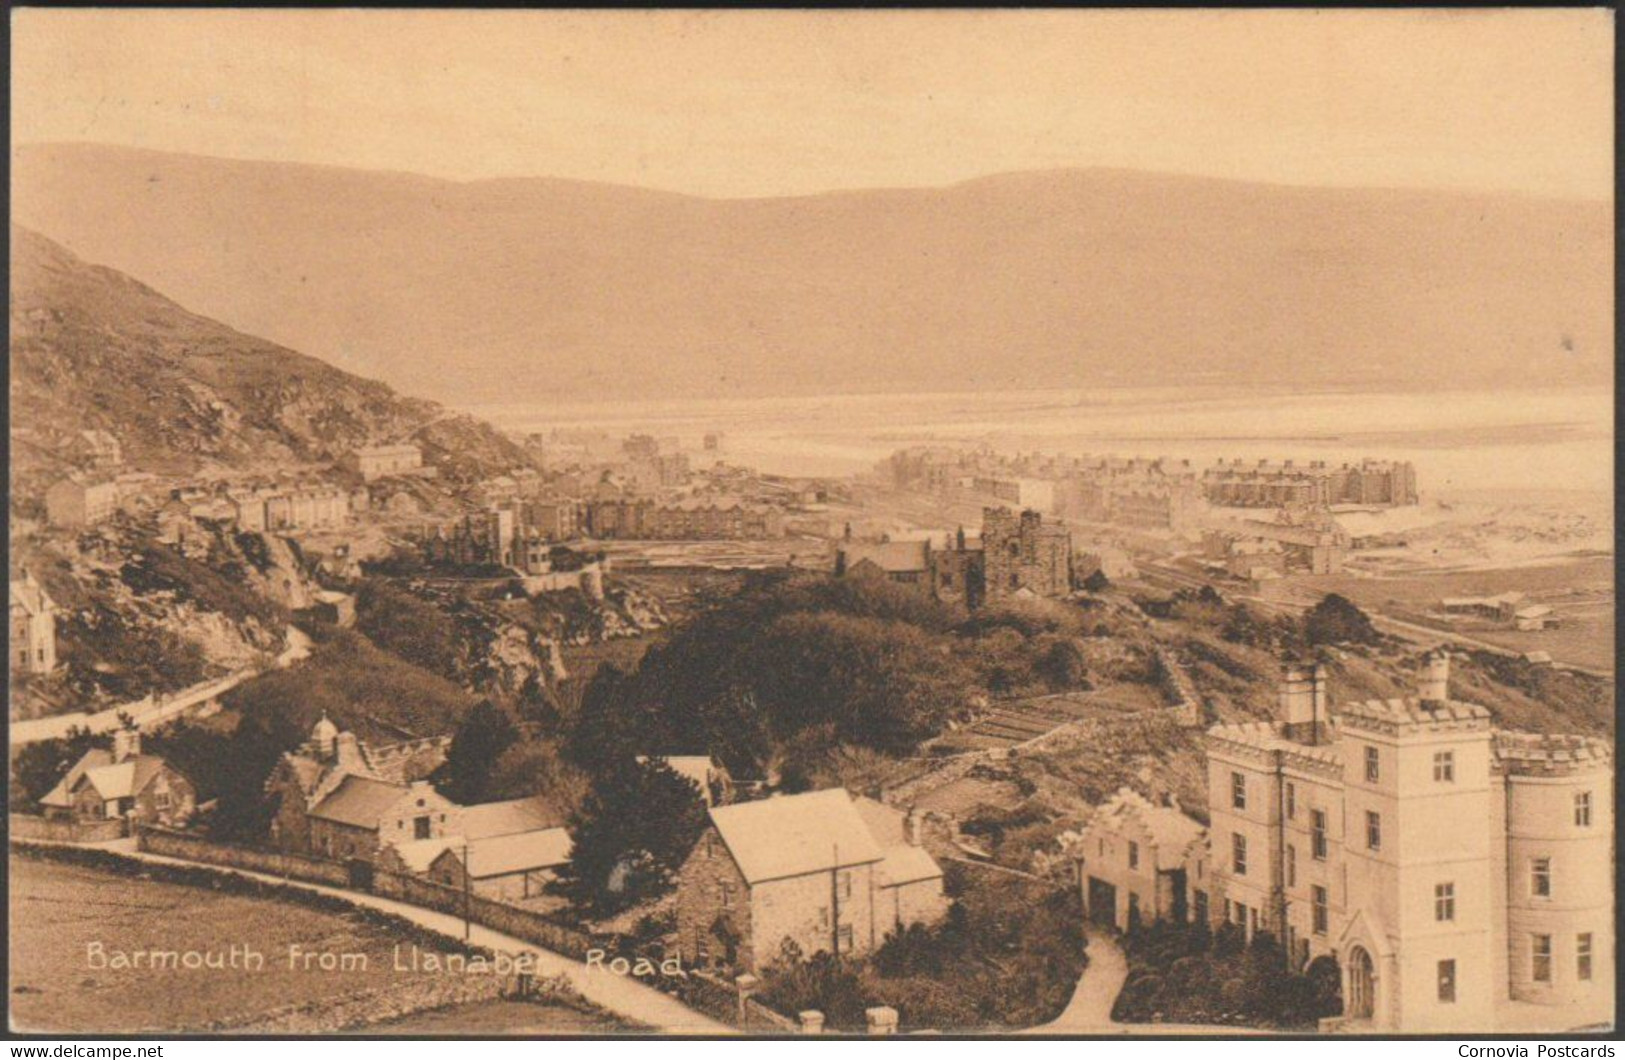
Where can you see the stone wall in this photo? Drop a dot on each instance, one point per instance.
(271, 862)
(907, 792)
(512, 920)
(28, 826)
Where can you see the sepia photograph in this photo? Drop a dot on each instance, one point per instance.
(1019, 523)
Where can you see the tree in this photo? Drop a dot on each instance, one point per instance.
(1336, 620)
(637, 824)
(1062, 665)
(537, 768)
(39, 766)
(536, 704)
(485, 733)
(242, 810)
(602, 731)
(1097, 582)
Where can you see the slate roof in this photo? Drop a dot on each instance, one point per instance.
(358, 801)
(793, 835)
(907, 864)
(418, 854)
(893, 557)
(544, 848)
(508, 818)
(92, 759)
(112, 780)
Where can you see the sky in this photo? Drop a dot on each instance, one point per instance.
(741, 104)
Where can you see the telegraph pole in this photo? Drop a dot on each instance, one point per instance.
(835, 903)
(468, 916)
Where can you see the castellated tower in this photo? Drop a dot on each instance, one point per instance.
(1459, 875)
(1421, 859)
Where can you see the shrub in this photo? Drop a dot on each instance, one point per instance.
(1336, 620)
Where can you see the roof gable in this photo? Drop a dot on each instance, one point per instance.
(359, 801)
(794, 835)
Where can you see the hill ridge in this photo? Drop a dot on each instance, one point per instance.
(542, 289)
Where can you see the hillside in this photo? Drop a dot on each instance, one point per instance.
(531, 289)
(93, 348)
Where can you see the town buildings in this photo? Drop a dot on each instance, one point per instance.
(1023, 555)
(1373, 483)
(122, 784)
(1451, 869)
(33, 626)
(1016, 556)
(690, 520)
(1035, 493)
(98, 449)
(1507, 609)
(76, 502)
(1306, 540)
(1144, 494)
(381, 461)
(813, 870)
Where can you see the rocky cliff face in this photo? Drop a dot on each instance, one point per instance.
(93, 348)
(136, 618)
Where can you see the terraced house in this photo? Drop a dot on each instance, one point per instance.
(1461, 876)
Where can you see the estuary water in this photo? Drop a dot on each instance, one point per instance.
(1460, 441)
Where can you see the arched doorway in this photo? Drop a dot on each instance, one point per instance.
(1362, 992)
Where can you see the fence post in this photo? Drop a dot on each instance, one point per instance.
(745, 985)
(882, 1020)
(812, 1021)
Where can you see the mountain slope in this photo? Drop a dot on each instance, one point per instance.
(93, 348)
(522, 290)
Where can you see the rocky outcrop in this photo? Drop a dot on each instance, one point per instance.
(138, 617)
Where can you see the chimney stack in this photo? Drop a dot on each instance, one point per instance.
(1302, 703)
(1434, 684)
(913, 827)
(347, 751)
(126, 744)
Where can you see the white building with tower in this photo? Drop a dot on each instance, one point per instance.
(1459, 874)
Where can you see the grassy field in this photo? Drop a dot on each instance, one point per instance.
(59, 912)
(502, 1018)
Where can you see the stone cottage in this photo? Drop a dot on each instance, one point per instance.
(806, 869)
(123, 783)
